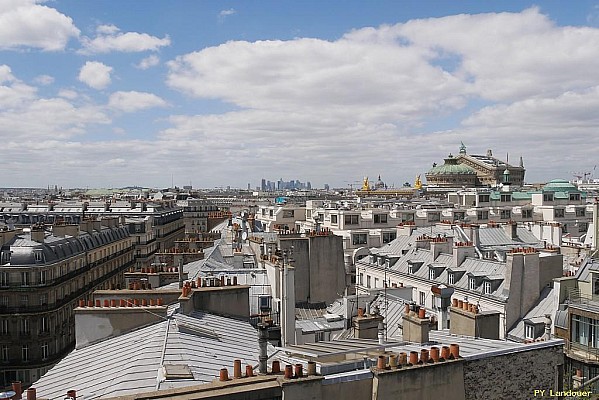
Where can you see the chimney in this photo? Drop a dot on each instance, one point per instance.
(38, 233)
(468, 321)
(462, 250)
(367, 326)
(511, 229)
(262, 343)
(440, 245)
(414, 328)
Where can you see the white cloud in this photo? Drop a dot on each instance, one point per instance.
(148, 62)
(225, 13)
(28, 24)
(370, 101)
(95, 74)
(68, 94)
(13, 92)
(44, 79)
(134, 101)
(109, 39)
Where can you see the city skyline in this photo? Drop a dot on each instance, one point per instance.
(113, 94)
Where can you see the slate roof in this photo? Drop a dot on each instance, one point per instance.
(545, 305)
(131, 363)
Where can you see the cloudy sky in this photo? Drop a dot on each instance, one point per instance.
(216, 93)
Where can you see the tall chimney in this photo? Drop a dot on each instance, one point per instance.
(262, 343)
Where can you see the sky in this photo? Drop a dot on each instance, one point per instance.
(151, 93)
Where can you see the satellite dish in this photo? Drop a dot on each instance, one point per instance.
(244, 235)
(7, 395)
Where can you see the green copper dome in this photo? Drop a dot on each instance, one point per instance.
(451, 167)
(559, 185)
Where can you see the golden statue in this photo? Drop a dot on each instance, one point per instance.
(365, 184)
(418, 183)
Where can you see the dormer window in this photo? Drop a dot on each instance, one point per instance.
(529, 331)
(471, 283)
(38, 255)
(410, 269)
(6, 257)
(487, 287)
(431, 274)
(451, 278)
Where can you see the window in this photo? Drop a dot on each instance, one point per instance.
(25, 353)
(44, 326)
(388, 237)
(451, 278)
(434, 217)
(5, 356)
(270, 213)
(547, 196)
(410, 269)
(376, 282)
(487, 287)
(24, 300)
(334, 219)
(351, 219)
(368, 281)
(25, 278)
(422, 298)
(45, 351)
(580, 212)
(38, 255)
(484, 198)
(527, 213)
(4, 281)
(558, 213)
(264, 302)
(361, 281)
(3, 301)
(43, 275)
(288, 214)
(529, 331)
(505, 214)
(431, 274)
(380, 218)
(471, 283)
(506, 198)
(482, 214)
(4, 327)
(6, 257)
(574, 196)
(264, 212)
(25, 326)
(359, 238)
(458, 216)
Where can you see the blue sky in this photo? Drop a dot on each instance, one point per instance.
(216, 93)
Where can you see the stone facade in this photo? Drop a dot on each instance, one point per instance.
(527, 371)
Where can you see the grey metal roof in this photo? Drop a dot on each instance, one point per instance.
(132, 362)
(491, 269)
(319, 325)
(545, 305)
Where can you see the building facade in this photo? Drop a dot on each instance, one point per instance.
(43, 273)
